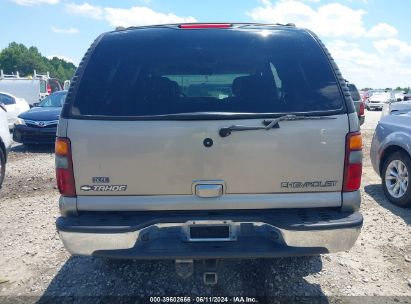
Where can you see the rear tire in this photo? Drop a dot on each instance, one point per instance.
(396, 176)
(2, 166)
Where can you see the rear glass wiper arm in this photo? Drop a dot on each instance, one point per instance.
(224, 132)
(268, 124)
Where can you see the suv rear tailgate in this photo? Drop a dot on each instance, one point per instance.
(167, 157)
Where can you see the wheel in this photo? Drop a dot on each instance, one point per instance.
(2, 166)
(396, 179)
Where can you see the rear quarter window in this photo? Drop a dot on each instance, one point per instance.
(43, 86)
(355, 95)
(161, 71)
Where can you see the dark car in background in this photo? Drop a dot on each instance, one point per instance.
(358, 103)
(39, 124)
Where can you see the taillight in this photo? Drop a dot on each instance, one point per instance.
(205, 25)
(361, 108)
(48, 89)
(353, 162)
(64, 167)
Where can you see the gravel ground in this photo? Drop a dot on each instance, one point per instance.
(33, 261)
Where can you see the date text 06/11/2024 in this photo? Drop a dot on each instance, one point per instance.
(199, 299)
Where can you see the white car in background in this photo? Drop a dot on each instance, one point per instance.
(398, 95)
(14, 106)
(5, 142)
(379, 99)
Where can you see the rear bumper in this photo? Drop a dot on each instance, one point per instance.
(31, 135)
(253, 234)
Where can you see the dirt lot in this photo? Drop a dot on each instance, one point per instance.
(33, 261)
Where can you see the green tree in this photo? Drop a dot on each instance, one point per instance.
(405, 89)
(17, 57)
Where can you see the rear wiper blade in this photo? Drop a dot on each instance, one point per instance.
(269, 124)
(224, 132)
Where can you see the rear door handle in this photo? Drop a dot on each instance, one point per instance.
(209, 190)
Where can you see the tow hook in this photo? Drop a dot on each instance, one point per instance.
(184, 268)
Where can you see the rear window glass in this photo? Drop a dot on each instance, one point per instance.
(169, 71)
(54, 85)
(53, 100)
(355, 95)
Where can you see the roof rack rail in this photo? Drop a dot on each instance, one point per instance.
(35, 75)
(17, 75)
(3, 76)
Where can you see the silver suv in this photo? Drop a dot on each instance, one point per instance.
(208, 141)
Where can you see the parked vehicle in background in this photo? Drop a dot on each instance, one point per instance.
(407, 96)
(398, 95)
(362, 95)
(379, 99)
(39, 124)
(358, 103)
(5, 142)
(14, 106)
(369, 93)
(218, 141)
(396, 108)
(391, 156)
(366, 96)
(32, 89)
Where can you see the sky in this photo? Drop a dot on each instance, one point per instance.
(369, 39)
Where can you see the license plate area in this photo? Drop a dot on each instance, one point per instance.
(209, 231)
